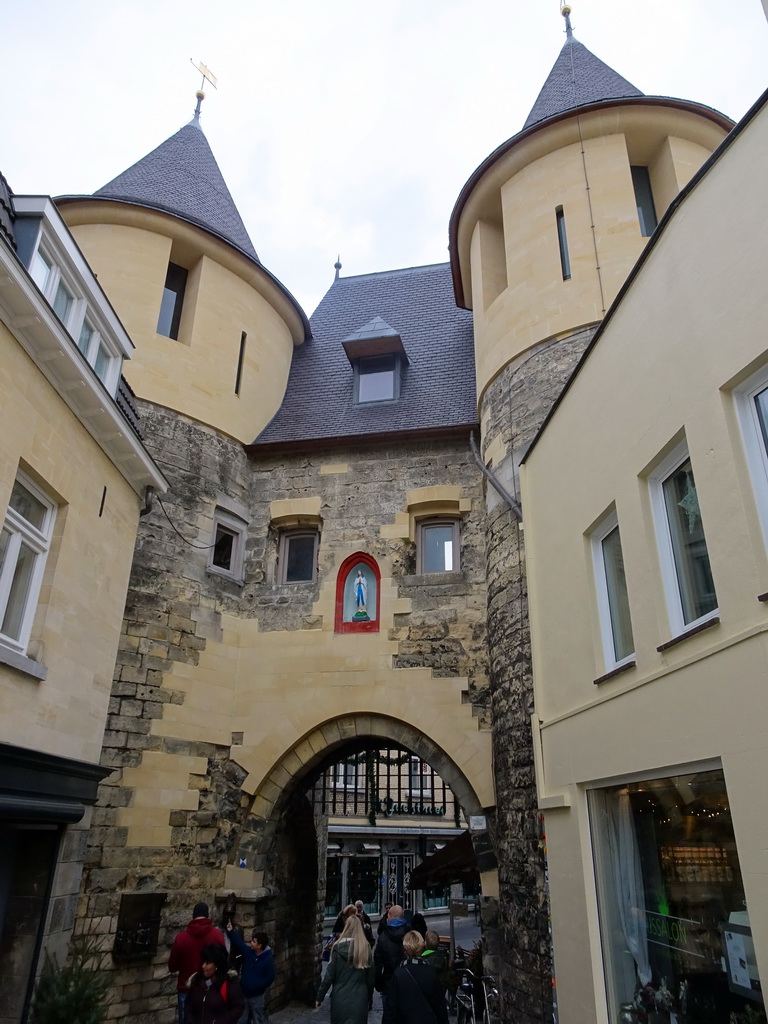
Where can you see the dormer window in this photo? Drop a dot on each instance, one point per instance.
(377, 355)
(377, 379)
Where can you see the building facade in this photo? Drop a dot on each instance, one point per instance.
(649, 709)
(338, 567)
(74, 475)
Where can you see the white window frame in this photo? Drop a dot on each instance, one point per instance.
(423, 769)
(755, 445)
(603, 530)
(670, 582)
(342, 773)
(79, 313)
(229, 523)
(39, 539)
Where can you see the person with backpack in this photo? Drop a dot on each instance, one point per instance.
(256, 974)
(213, 997)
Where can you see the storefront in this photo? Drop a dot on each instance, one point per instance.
(674, 921)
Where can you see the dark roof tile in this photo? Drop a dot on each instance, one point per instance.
(437, 388)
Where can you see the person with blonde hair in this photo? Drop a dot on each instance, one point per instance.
(415, 994)
(350, 975)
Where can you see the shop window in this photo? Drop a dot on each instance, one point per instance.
(377, 379)
(297, 559)
(437, 545)
(24, 543)
(333, 885)
(686, 572)
(675, 927)
(172, 301)
(227, 552)
(612, 597)
(646, 211)
(138, 926)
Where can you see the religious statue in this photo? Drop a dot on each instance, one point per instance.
(361, 594)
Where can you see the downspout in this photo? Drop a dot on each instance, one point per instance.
(494, 480)
(149, 498)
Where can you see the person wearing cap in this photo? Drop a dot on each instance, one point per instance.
(185, 951)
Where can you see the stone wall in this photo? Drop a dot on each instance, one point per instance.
(514, 407)
(148, 836)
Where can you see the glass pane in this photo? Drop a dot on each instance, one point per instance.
(41, 270)
(694, 576)
(172, 302)
(62, 303)
(376, 379)
(17, 599)
(363, 882)
(5, 538)
(101, 366)
(616, 585)
(84, 341)
(437, 544)
(223, 548)
(646, 211)
(28, 506)
(300, 564)
(761, 405)
(671, 899)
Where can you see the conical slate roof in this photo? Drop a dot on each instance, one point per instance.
(181, 177)
(577, 79)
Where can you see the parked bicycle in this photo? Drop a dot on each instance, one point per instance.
(474, 996)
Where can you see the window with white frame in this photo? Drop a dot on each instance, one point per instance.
(420, 777)
(297, 559)
(686, 573)
(228, 550)
(72, 310)
(437, 545)
(345, 775)
(752, 405)
(612, 596)
(24, 543)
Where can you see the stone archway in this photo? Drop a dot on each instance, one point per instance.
(278, 851)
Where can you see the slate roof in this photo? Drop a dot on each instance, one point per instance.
(7, 215)
(181, 177)
(577, 78)
(437, 389)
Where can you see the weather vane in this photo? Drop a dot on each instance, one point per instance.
(207, 75)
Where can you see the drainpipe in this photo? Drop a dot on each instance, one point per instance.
(494, 480)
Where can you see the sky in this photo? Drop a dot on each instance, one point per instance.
(340, 127)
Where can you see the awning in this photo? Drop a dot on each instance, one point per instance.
(456, 862)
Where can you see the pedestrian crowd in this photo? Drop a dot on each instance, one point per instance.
(222, 979)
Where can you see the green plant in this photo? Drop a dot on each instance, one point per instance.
(75, 993)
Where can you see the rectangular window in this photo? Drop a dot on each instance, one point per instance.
(646, 211)
(420, 778)
(752, 407)
(686, 572)
(228, 550)
(437, 546)
(676, 937)
(562, 241)
(63, 301)
(346, 775)
(24, 543)
(377, 379)
(298, 557)
(612, 597)
(172, 302)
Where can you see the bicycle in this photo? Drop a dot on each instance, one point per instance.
(472, 995)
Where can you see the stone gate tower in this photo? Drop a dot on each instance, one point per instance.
(542, 238)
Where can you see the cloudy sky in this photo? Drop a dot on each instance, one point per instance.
(340, 127)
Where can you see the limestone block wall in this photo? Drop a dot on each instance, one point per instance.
(218, 681)
(514, 407)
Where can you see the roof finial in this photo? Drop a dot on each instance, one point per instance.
(200, 94)
(565, 10)
(337, 267)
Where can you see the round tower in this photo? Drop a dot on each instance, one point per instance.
(542, 238)
(214, 329)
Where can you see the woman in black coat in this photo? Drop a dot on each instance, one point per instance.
(213, 997)
(415, 994)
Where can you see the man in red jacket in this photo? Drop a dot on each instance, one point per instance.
(185, 951)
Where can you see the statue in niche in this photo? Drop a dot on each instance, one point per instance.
(361, 596)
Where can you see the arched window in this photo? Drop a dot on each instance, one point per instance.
(358, 594)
